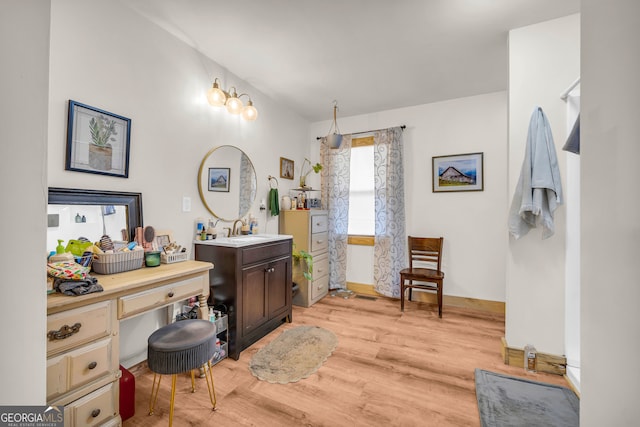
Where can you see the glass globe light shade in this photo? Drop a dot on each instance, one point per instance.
(249, 112)
(234, 105)
(216, 96)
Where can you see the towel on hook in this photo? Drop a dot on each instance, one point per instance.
(573, 142)
(274, 206)
(539, 190)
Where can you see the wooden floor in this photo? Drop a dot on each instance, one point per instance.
(389, 369)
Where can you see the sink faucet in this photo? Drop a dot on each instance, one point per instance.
(236, 231)
(228, 231)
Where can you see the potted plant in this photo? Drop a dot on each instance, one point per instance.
(312, 168)
(100, 150)
(307, 258)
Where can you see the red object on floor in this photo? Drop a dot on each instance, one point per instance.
(127, 394)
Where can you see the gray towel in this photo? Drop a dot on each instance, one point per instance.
(77, 287)
(573, 142)
(539, 190)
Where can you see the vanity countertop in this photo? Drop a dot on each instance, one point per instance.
(244, 240)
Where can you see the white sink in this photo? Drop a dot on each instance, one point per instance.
(244, 240)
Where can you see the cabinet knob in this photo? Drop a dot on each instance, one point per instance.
(319, 241)
(92, 365)
(170, 294)
(95, 413)
(270, 269)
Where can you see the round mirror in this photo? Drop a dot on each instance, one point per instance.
(227, 182)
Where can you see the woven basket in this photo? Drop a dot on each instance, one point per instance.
(117, 262)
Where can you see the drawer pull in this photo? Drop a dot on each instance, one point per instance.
(95, 413)
(65, 331)
(269, 270)
(170, 294)
(319, 241)
(92, 365)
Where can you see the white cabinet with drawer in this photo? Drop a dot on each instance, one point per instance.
(81, 345)
(309, 229)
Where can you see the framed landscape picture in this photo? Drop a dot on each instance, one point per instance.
(459, 172)
(219, 179)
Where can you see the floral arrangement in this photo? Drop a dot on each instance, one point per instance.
(312, 168)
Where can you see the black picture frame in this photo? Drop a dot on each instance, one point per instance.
(464, 172)
(219, 179)
(97, 141)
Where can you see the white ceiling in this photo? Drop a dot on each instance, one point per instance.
(369, 55)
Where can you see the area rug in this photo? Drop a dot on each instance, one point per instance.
(504, 400)
(295, 354)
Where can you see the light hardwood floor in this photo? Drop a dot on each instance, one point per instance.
(389, 369)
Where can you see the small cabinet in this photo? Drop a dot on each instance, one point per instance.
(309, 229)
(253, 283)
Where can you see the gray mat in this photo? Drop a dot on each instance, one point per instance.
(509, 401)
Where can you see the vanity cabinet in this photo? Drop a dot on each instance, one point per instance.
(309, 229)
(253, 284)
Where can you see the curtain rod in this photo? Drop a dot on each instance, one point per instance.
(564, 95)
(403, 127)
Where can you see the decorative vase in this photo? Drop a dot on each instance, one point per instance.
(100, 157)
(303, 181)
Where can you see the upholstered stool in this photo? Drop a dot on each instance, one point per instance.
(181, 347)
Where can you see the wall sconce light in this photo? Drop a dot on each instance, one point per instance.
(334, 139)
(231, 100)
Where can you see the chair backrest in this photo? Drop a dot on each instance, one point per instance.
(425, 250)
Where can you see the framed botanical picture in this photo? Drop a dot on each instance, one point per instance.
(459, 172)
(97, 141)
(286, 168)
(219, 179)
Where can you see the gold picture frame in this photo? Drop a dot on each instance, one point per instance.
(286, 168)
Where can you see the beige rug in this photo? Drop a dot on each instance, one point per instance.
(295, 354)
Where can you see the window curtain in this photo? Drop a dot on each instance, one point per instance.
(247, 185)
(390, 244)
(335, 199)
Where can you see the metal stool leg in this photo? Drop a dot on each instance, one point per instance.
(210, 387)
(154, 392)
(193, 382)
(173, 398)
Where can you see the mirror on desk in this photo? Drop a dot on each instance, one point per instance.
(75, 213)
(227, 182)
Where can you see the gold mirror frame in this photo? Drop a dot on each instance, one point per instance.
(205, 191)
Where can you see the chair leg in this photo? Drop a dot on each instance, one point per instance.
(440, 300)
(173, 398)
(401, 295)
(154, 392)
(210, 387)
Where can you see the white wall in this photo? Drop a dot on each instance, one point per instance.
(544, 59)
(105, 55)
(610, 342)
(23, 156)
(472, 223)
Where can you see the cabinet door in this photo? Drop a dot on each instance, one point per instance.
(279, 289)
(254, 297)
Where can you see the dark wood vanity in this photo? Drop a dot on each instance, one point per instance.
(253, 282)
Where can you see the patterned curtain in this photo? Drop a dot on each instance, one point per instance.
(390, 246)
(247, 185)
(335, 199)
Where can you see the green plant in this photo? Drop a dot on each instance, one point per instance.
(307, 258)
(102, 130)
(312, 168)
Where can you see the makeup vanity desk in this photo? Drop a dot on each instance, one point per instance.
(83, 335)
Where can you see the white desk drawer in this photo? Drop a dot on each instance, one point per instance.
(319, 287)
(72, 328)
(158, 297)
(319, 223)
(78, 367)
(94, 408)
(320, 266)
(319, 242)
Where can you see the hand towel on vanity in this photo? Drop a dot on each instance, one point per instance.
(539, 190)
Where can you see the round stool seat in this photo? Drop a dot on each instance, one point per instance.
(181, 346)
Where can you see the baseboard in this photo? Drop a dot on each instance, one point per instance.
(139, 368)
(548, 363)
(430, 297)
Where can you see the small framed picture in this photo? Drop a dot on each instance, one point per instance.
(459, 172)
(286, 168)
(219, 179)
(162, 239)
(97, 141)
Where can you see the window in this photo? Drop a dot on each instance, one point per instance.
(361, 189)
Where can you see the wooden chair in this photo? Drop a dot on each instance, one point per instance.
(425, 259)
